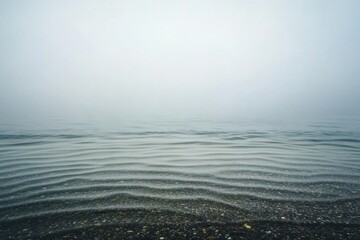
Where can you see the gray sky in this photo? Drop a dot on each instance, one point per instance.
(180, 58)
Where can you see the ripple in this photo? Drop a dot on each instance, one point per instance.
(196, 175)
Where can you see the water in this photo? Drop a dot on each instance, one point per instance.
(180, 179)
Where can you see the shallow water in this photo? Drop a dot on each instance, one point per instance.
(61, 179)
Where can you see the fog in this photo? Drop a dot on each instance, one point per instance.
(211, 59)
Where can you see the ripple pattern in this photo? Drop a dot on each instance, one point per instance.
(80, 180)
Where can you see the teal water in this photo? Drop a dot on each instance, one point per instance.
(59, 177)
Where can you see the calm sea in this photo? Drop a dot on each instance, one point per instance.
(180, 180)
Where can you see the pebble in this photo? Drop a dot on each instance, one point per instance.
(247, 226)
(212, 238)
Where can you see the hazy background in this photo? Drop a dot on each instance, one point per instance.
(211, 59)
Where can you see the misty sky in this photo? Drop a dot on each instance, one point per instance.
(179, 58)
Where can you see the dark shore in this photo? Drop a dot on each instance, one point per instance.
(161, 225)
(214, 231)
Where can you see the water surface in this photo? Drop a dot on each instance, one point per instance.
(180, 179)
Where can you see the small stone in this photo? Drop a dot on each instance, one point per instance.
(246, 226)
(212, 238)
